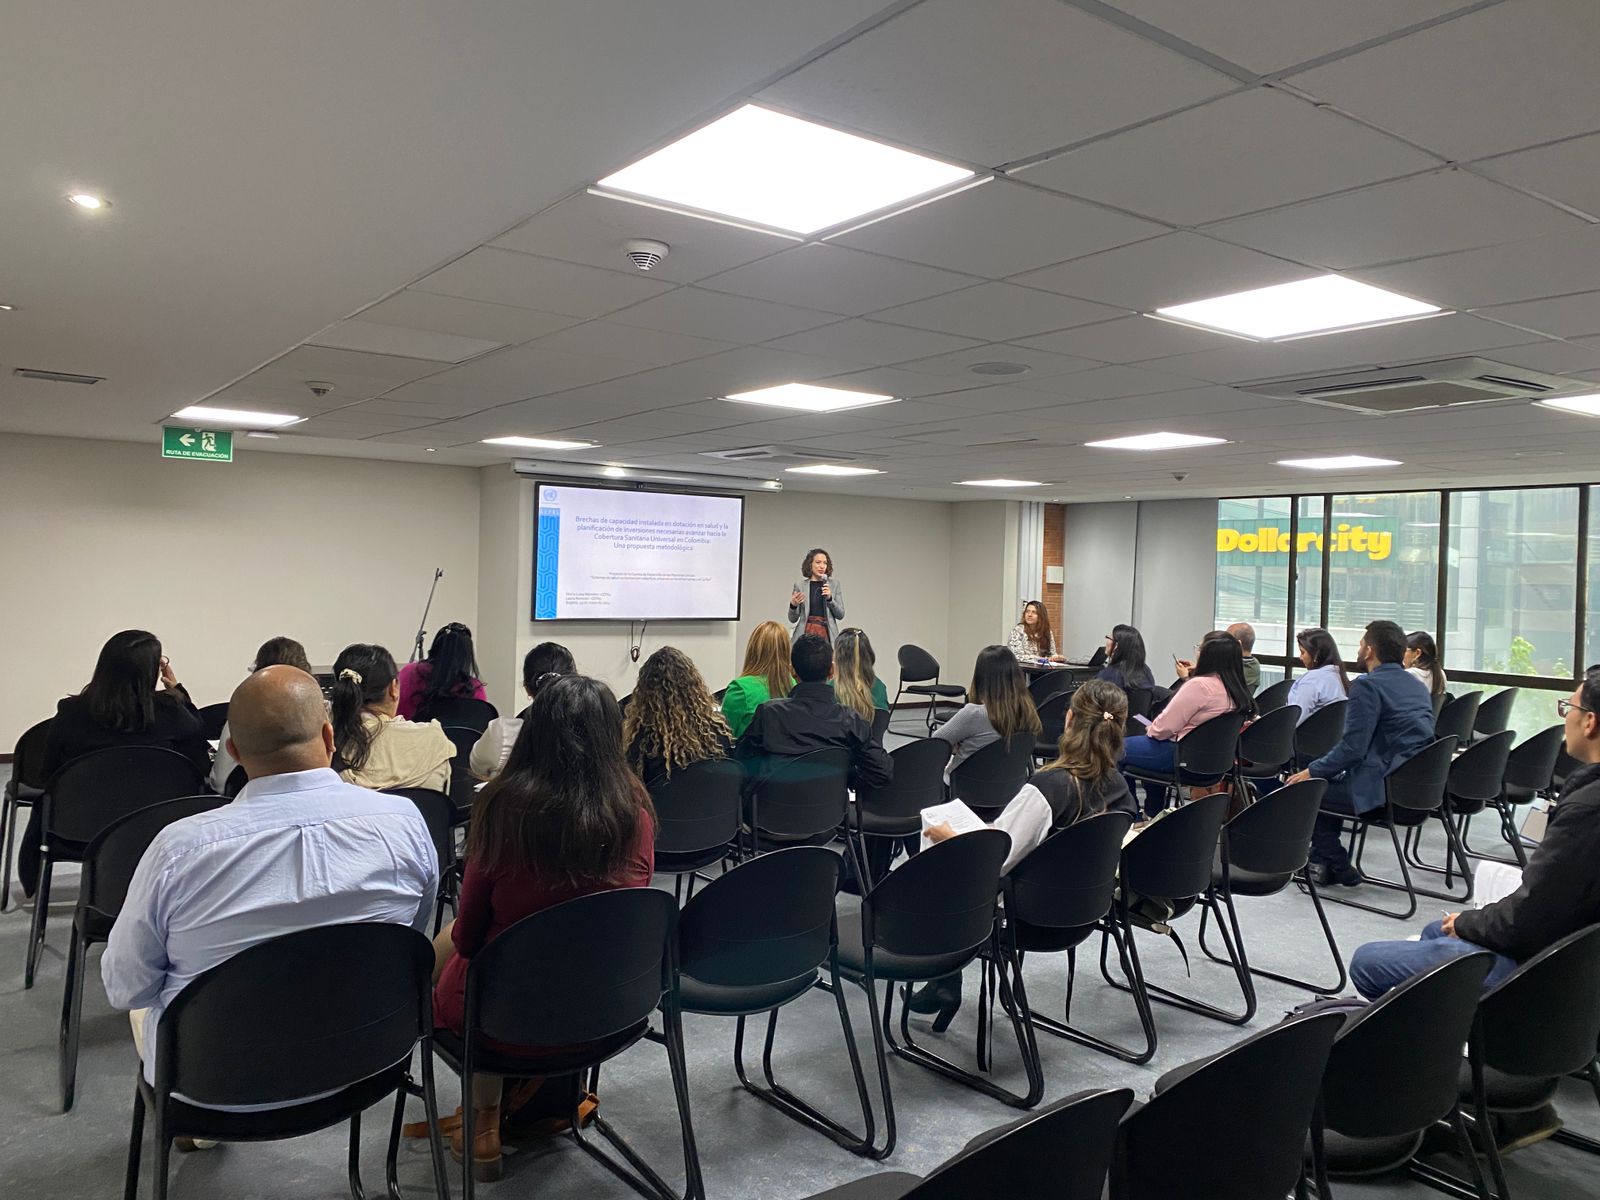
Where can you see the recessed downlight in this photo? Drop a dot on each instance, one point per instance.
(809, 397)
(831, 469)
(1321, 304)
(1587, 406)
(1156, 441)
(999, 368)
(1338, 462)
(8, 308)
(88, 201)
(235, 416)
(537, 443)
(1000, 483)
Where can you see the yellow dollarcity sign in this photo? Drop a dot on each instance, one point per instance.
(1375, 544)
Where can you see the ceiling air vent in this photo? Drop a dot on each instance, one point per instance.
(56, 376)
(1410, 387)
(779, 454)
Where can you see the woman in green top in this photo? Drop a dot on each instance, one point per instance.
(767, 675)
(854, 680)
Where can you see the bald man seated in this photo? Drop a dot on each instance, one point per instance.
(298, 848)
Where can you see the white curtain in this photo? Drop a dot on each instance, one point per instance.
(1030, 551)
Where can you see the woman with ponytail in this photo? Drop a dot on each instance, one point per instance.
(376, 748)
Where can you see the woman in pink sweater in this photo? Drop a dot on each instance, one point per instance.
(1213, 685)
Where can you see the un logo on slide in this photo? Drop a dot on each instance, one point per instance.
(550, 493)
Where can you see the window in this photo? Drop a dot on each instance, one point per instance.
(1308, 582)
(1253, 568)
(1383, 563)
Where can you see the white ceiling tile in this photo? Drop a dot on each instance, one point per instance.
(1130, 339)
(1500, 79)
(991, 83)
(997, 312)
(1167, 270)
(896, 381)
(700, 313)
(999, 229)
(835, 279)
(590, 229)
(373, 338)
(502, 323)
(1557, 265)
(547, 284)
(1436, 213)
(645, 348)
(1555, 357)
(869, 343)
(533, 370)
(1107, 382)
(1269, 35)
(1568, 171)
(741, 370)
(339, 366)
(1040, 364)
(1239, 154)
(1560, 317)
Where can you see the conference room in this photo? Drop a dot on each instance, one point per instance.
(1030, 565)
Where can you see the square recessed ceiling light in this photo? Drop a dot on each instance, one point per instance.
(779, 171)
(809, 397)
(234, 416)
(1156, 441)
(1337, 462)
(534, 443)
(1588, 406)
(831, 469)
(1000, 483)
(1322, 304)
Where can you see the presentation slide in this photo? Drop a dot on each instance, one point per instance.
(605, 554)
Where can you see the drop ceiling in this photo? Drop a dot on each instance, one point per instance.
(401, 209)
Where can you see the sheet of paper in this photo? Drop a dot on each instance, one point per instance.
(955, 814)
(1145, 721)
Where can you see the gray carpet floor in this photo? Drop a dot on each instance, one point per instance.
(747, 1149)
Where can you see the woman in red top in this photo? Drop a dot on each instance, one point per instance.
(565, 818)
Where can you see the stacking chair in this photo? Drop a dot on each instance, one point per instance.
(1319, 733)
(1476, 779)
(895, 809)
(989, 779)
(1530, 772)
(917, 666)
(880, 724)
(1412, 790)
(1440, 699)
(756, 940)
(926, 920)
(1457, 718)
(578, 983)
(212, 718)
(1062, 1151)
(439, 811)
(799, 801)
(23, 790)
(333, 1012)
(1140, 701)
(697, 818)
(1494, 714)
(1233, 1125)
(1266, 746)
(460, 712)
(1273, 696)
(108, 866)
(1045, 684)
(463, 787)
(1262, 851)
(1208, 751)
(85, 796)
(1053, 720)
(1393, 1074)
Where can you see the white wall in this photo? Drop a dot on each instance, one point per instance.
(215, 558)
(1097, 591)
(982, 582)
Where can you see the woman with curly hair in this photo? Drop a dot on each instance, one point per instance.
(672, 721)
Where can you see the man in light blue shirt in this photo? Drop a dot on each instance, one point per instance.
(298, 848)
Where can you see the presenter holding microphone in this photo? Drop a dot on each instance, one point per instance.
(816, 603)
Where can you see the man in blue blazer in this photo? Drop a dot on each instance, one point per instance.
(1390, 718)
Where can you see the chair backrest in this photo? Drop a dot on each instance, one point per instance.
(93, 790)
(1479, 774)
(1320, 732)
(114, 853)
(880, 724)
(1273, 835)
(1053, 717)
(1440, 699)
(1268, 741)
(27, 766)
(768, 921)
(1172, 858)
(917, 782)
(719, 695)
(1062, 1152)
(917, 665)
(1494, 714)
(804, 796)
(697, 807)
(1045, 684)
(1542, 1020)
(235, 782)
(309, 1012)
(1418, 783)
(464, 712)
(993, 775)
(1273, 696)
(1236, 1127)
(1140, 702)
(463, 738)
(439, 812)
(212, 718)
(942, 901)
(575, 972)
(1396, 1065)
(1069, 880)
(1531, 766)
(1211, 747)
(1565, 765)
(1457, 717)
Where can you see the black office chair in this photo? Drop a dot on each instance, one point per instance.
(697, 818)
(462, 712)
(1234, 1125)
(1063, 1151)
(439, 811)
(1206, 753)
(1412, 791)
(1494, 714)
(1440, 699)
(926, 920)
(798, 801)
(212, 718)
(1273, 696)
(1392, 1075)
(1319, 733)
(989, 779)
(758, 939)
(880, 724)
(883, 815)
(1530, 773)
(577, 984)
(918, 666)
(463, 738)
(22, 790)
(1476, 779)
(1457, 718)
(108, 866)
(368, 988)
(85, 796)
(1053, 722)
(1140, 701)
(1266, 745)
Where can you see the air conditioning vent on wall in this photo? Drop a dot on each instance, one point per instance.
(1413, 386)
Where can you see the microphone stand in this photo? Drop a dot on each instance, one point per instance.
(416, 649)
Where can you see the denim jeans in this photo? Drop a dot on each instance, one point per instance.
(1379, 966)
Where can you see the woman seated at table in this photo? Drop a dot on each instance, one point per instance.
(375, 748)
(1031, 637)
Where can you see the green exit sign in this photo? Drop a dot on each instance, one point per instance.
(208, 445)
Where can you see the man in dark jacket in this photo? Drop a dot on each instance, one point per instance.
(1560, 892)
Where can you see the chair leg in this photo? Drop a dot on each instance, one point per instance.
(8, 844)
(1234, 946)
(72, 1016)
(1405, 886)
(1477, 1188)
(130, 1178)
(163, 1147)
(1319, 1157)
(353, 1163)
(1480, 1104)
(1455, 858)
(41, 911)
(1307, 885)
(869, 984)
(1064, 1029)
(430, 1107)
(469, 1132)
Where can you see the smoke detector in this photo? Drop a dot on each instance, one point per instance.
(645, 254)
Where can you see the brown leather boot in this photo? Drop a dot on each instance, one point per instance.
(487, 1163)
